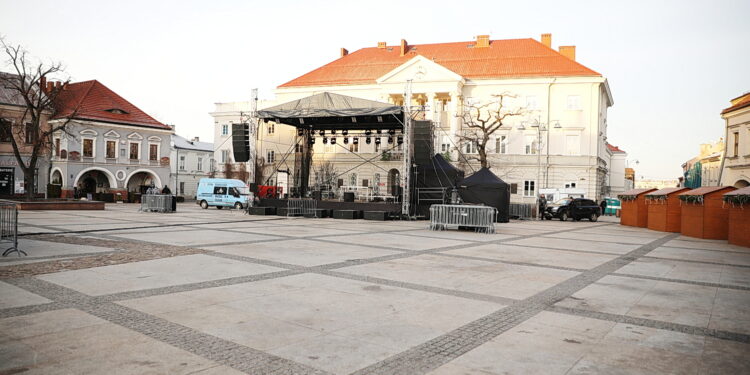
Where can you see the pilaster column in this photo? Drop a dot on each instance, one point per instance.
(454, 114)
(430, 112)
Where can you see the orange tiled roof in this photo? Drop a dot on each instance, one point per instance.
(511, 58)
(741, 104)
(614, 148)
(96, 102)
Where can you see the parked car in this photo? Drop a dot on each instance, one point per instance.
(575, 208)
(222, 192)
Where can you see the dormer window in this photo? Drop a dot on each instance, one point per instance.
(116, 111)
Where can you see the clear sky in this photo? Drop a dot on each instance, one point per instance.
(672, 65)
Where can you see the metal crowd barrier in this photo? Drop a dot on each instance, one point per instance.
(157, 203)
(300, 207)
(481, 218)
(521, 210)
(9, 228)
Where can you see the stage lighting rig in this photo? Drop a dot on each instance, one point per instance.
(377, 140)
(333, 140)
(400, 139)
(325, 140)
(390, 140)
(322, 133)
(368, 140)
(355, 140)
(346, 140)
(344, 132)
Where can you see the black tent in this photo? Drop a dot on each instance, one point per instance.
(438, 173)
(486, 188)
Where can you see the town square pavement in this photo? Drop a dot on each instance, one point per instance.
(219, 292)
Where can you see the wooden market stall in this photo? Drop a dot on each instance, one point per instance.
(634, 211)
(738, 230)
(664, 209)
(704, 214)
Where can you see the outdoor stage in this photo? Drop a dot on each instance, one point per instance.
(338, 205)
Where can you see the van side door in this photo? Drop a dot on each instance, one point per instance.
(220, 194)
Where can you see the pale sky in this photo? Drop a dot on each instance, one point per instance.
(672, 65)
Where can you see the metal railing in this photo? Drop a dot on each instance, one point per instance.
(480, 218)
(157, 203)
(521, 210)
(9, 228)
(300, 206)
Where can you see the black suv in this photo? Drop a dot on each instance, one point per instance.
(576, 208)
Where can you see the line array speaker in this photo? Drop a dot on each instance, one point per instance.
(241, 142)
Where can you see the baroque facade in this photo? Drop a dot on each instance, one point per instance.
(735, 170)
(109, 147)
(560, 138)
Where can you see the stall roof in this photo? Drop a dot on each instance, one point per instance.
(667, 191)
(743, 191)
(334, 111)
(705, 190)
(636, 192)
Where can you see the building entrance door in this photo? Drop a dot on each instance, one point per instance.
(7, 179)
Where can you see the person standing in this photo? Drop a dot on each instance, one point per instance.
(603, 205)
(542, 206)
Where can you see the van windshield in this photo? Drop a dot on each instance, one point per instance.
(236, 191)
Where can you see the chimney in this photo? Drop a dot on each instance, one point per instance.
(196, 139)
(483, 41)
(404, 46)
(58, 85)
(569, 52)
(547, 40)
(50, 86)
(381, 45)
(344, 52)
(43, 83)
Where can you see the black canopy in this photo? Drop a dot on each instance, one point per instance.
(327, 111)
(486, 188)
(438, 173)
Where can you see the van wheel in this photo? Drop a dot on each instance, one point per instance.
(204, 205)
(238, 206)
(593, 217)
(564, 216)
(219, 207)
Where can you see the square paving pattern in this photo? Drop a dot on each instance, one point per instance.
(220, 292)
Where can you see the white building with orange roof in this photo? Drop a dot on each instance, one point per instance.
(567, 100)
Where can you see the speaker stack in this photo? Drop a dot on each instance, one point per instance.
(241, 142)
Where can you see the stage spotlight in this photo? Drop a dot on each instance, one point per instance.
(368, 132)
(311, 140)
(368, 140)
(379, 131)
(355, 140)
(344, 132)
(390, 139)
(333, 140)
(325, 140)
(391, 131)
(377, 140)
(333, 131)
(400, 140)
(322, 133)
(346, 140)
(300, 132)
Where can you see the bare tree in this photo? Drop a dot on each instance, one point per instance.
(258, 167)
(228, 169)
(325, 173)
(30, 135)
(242, 174)
(482, 120)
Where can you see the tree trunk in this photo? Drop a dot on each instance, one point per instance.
(28, 181)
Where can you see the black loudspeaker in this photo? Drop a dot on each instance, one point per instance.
(241, 142)
(253, 187)
(348, 196)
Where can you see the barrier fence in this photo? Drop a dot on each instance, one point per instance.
(9, 228)
(481, 218)
(300, 207)
(157, 203)
(522, 210)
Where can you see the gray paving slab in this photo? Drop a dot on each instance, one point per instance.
(571, 244)
(12, 296)
(398, 241)
(515, 253)
(153, 273)
(194, 237)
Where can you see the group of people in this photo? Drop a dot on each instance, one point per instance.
(155, 190)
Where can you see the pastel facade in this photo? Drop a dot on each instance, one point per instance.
(191, 160)
(736, 168)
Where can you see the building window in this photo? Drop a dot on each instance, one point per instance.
(377, 147)
(153, 152)
(271, 128)
(529, 188)
(572, 144)
(111, 149)
(200, 163)
(531, 102)
(574, 102)
(30, 133)
(570, 185)
(211, 165)
(181, 190)
(270, 156)
(57, 147)
(354, 147)
(182, 162)
(5, 130)
(135, 151)
(530, 145)
(88, 148)
(353, 179)
(471, 147)
(225, 130)
(224, 156)
(500, 145)
(297, 148)
(514, 188)
(736, 143)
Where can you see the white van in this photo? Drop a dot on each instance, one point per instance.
(222, 192)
